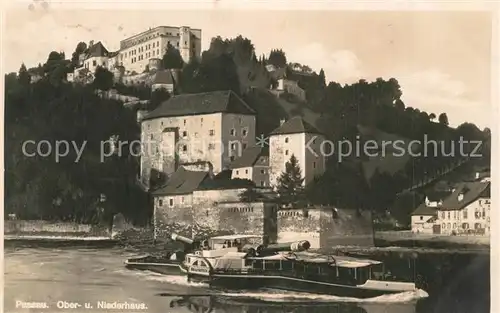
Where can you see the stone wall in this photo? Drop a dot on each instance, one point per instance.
(205, 218)
(48, 228)
(324, 228)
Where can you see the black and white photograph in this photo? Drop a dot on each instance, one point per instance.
(160, 158)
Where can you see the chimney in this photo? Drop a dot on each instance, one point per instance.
(282, 121)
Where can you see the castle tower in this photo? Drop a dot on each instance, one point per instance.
(185, 43)
(301, 139)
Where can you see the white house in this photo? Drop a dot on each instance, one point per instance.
(252, 165)
(212, 126)
(424, 217)
(301, 139)
(465, 211)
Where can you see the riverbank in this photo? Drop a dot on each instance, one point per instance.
(407, 239)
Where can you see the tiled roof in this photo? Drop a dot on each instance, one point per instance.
(425, 210)
(163, 77)
(182, 182)
(295, 125)
(202, 103)
(471, 192)
(97, 50)
(249, 157)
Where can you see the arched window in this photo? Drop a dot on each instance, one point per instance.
(465, 225)
(449, 225)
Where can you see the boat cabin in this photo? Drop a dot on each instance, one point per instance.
(305, 266)
(223, 246)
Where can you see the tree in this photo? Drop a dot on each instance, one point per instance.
(55, 69)
(172, 58)
(289, 186)
(249, 195)
(432, 116)
(277, 58)
(23, 76)
(68, 189)
(75, 57)
(321, 78)
(103, 79)
(212, 74)
(443, 119)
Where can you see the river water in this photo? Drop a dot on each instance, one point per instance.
(64, 277)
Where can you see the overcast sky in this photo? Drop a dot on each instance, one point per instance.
(441, 59)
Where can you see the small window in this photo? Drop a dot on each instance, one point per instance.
(160, 202)
(202, 119)
(233, 146)
(246, 171)
(151, 136)
(244, 133)
(184, 134)
(184, 122)
(231, 158)
(233, 132)
(182, 199)
(421, 217)
(262, 171)
(286, 140)
(184, 148)
(171, 202)
(286, 152)
(212, 132)
(211, 146)
(262, 183)
(237, 172)
(244, 146)
(314, 164)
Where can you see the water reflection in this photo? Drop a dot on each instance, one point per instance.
(222, 304)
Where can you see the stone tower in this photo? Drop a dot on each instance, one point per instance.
(185, 43)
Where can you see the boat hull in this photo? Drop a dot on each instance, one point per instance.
(248, 282)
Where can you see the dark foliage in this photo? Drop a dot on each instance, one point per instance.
(172, 58)
(69, 188)
(277, 58)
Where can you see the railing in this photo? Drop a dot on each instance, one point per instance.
(319, 277)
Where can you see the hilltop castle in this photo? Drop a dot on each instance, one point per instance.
(138, 53)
